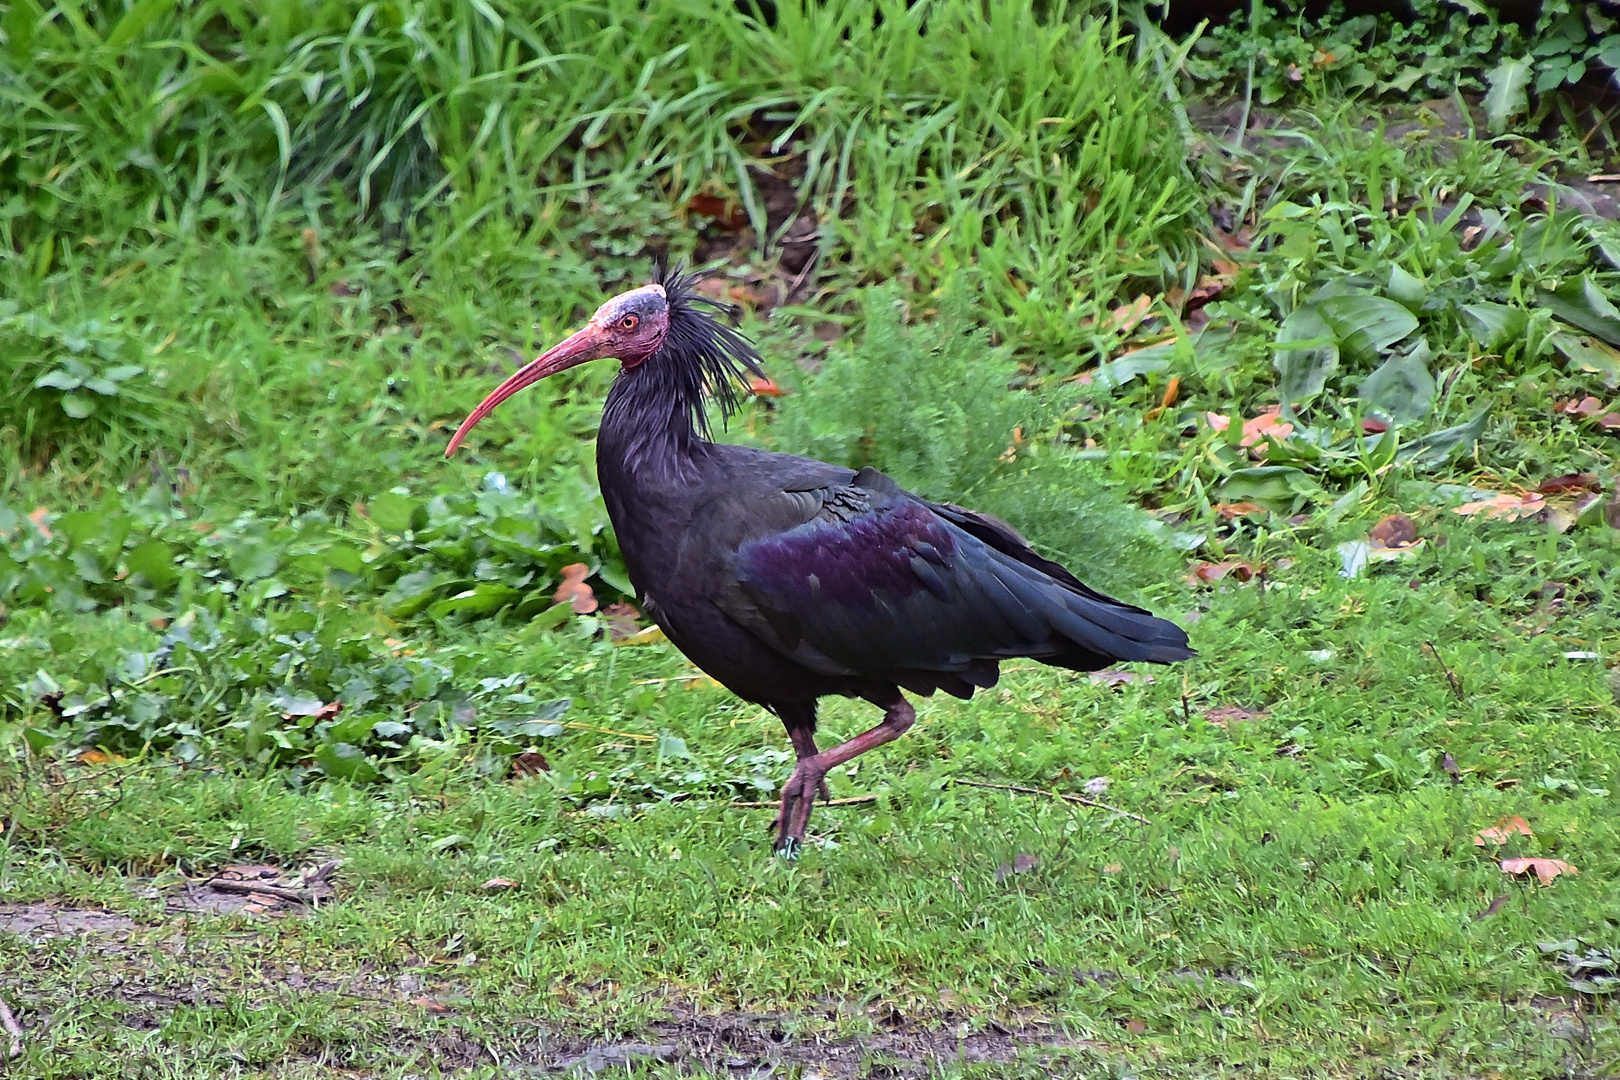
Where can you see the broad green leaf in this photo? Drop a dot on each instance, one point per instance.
(99, 385)
(154, 561)
(1506, 96)
(1404, 287)
(1494, 325)
(1402, 388)
(614, 575)
(672, 746)
(1581, 303)
(252, 560)
(346, 761)
(393, 512)
(294, 704)
(1435, 447)
(1589, 354)
(58, 379)
(81, 527)
(1133, 365)
(1312, 353)
(1367, 325)
(345, 558)
(122, 372)
(1275, 487)
(77, 406)
(486, 599)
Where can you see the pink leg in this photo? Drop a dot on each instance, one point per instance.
(799, 793)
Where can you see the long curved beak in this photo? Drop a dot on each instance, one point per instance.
(587, 344)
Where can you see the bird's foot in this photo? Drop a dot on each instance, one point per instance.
(798, 795)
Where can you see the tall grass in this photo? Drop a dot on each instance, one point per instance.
(924, 137)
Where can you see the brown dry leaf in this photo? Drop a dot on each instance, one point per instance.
(623, 621)
(1207, 573)
(1237, 510)
(1491, 909)
(1222, 715)
(1114, 677)
(1559, 485)
(1021, 864)
(1126, 317)
(1587, 406)
(1371, 425)
(500, 883)
(98, 757)
(1171, 392)
(1544, 869)
(1609, 421)
(574, 590)
(1504, 507)
(1268, 425)
(1217, 422)
(329, 710)
(1135, 1027)
(530, 763)
(726, 214)
(432, 1006)
(1395, 531)
(765, 387)
(1113, 868)
(1502, 830)
(1207, 289)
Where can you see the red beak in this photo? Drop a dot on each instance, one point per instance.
(588, 344)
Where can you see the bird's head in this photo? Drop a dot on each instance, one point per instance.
(630, 327)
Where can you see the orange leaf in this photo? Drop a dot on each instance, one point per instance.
(574, 590)
(765, 387)
(1127, 316)
(1505, 507)
(1237, 510)
(1544, 869)
(38, 518)
(1217, 422)
(1268, 424)
(1502, 830)
(98, 757)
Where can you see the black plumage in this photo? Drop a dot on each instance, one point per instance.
(788, 579)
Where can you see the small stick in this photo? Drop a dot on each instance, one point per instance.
(1456, 683)
(227, 885)
(12, 1028)
(854, 800)
(1080, 799)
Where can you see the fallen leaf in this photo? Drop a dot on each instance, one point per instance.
(1237, 510)
(1586, 406)
(1558, 485)
(1222, 715)
(1503, 507)
(623, 621)
(1021, 864)
(530, 763)
(500, 883)
(1492, 908)
(1207, 573)
(37, 516)
(1268, 425)
(98, 757)
(1395, 531)
(1126, 317)
(574, 590)
(647, 635)
(1135, 1027)
(765, 387)
(1544, 869)
(1217, 422)
(1502, 830)
(726, 214)
(1172, 391)
(1371, 425)
(432, 1006)
(1113, 868)
(1114, 677)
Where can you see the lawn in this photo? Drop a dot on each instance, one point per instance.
(323, 755)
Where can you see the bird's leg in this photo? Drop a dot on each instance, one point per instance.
(798, 795)
(804, 745)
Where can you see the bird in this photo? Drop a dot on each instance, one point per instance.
(788, 579)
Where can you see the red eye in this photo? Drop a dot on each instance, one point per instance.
(629, 322)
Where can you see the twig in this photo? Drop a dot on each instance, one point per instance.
(1456, 683)
(1080, 799)
(12, 1028)
(854, 800)
(227, 885)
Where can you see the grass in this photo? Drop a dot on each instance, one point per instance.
(241, 317)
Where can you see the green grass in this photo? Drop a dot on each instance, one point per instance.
(240, 319)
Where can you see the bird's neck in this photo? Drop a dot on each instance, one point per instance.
(648, 443)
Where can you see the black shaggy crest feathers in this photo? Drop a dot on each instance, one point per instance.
(700, 352)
